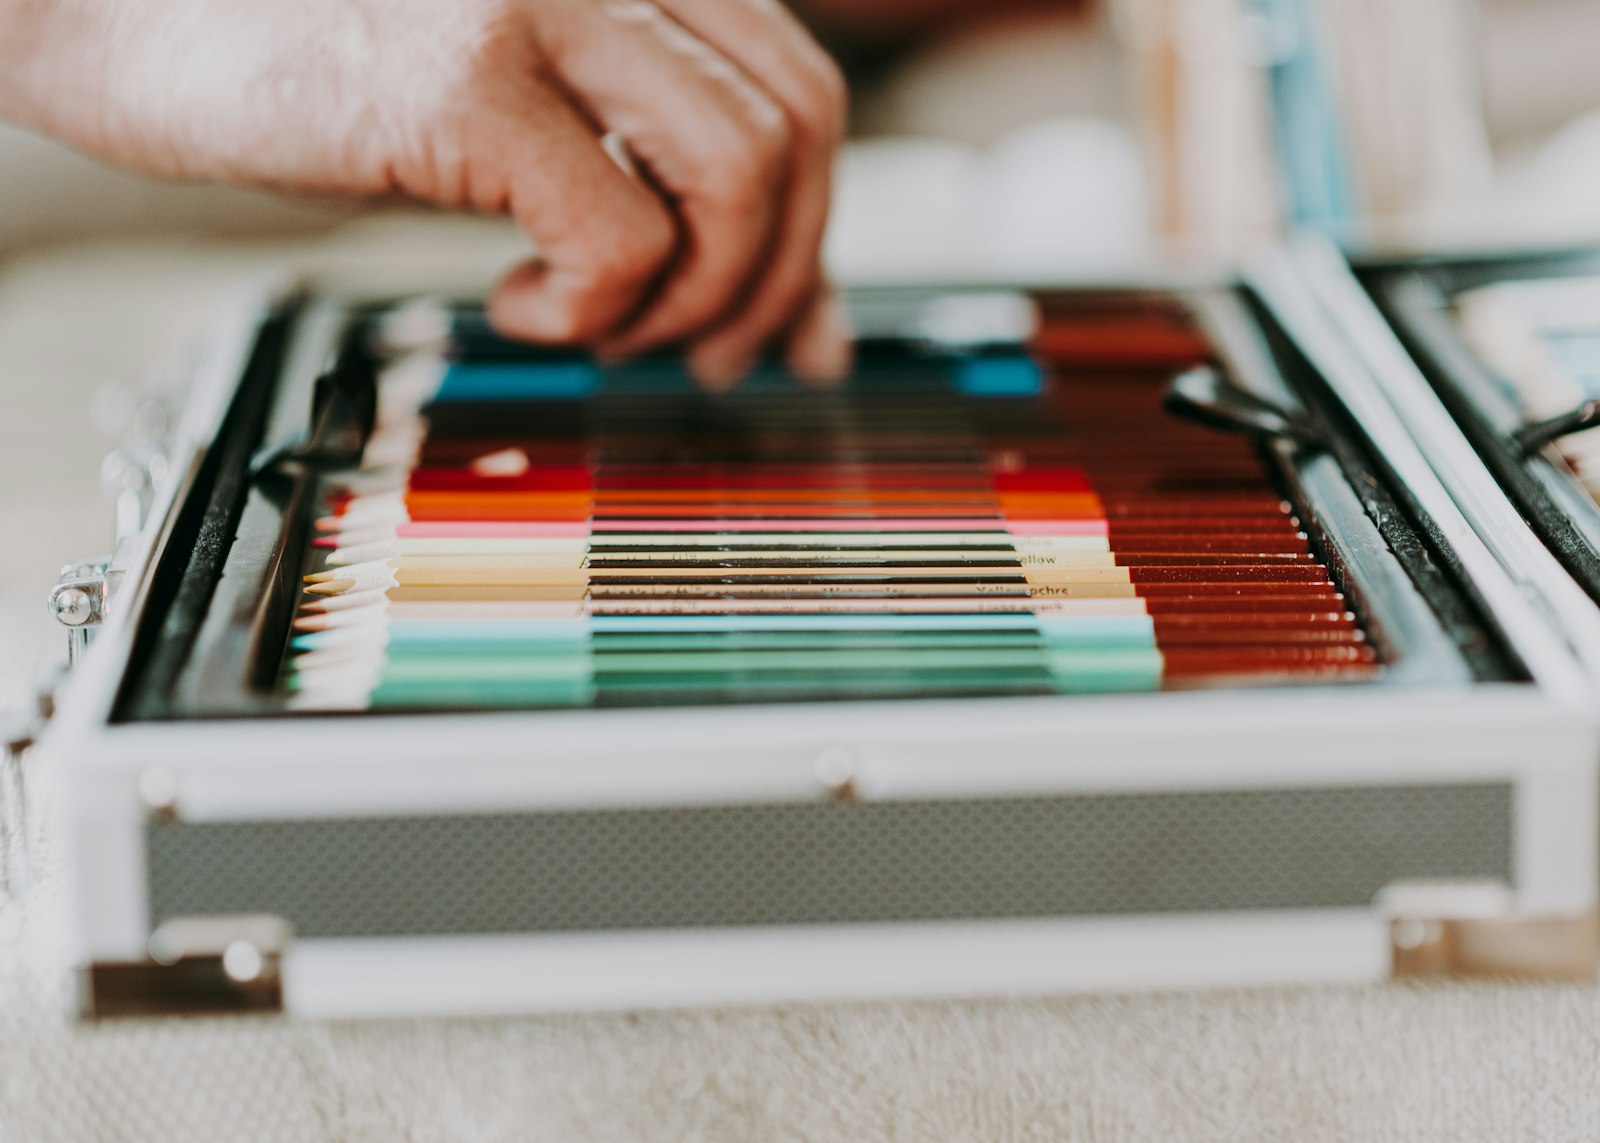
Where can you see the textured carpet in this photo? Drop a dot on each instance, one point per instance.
(1445, 1063)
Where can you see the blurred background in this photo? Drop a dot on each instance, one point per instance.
(1016, 136)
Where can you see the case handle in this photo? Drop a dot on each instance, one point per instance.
(1207, 397)
(344, 407)
(1532, 438)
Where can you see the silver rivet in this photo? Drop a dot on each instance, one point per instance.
(163, 948)
(242, 962)
(74, 606)
(836, 768)
(158, 790)
(1412, 933)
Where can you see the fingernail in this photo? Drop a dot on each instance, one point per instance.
(718, 373)
(823, 349)
(612, 356)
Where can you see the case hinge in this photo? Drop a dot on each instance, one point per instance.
(1474, 929)
(79, 602)
(84, 594)
(197, 965)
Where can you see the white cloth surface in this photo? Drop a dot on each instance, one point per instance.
(1482, 1062)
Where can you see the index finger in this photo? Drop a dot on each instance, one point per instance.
(603, 237)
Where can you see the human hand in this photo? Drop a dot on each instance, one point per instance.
(729, 111)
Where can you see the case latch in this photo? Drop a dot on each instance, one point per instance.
(1473, 929)
(197, 965)
(1532, 438)
(84, 593)
(79, 602)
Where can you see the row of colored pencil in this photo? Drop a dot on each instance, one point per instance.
(545, 533)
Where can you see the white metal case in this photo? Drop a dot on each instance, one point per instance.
(437, 862)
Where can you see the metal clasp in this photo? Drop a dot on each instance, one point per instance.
(197, 965)
(1205, 396)
(1532, 438)
(79, 602)
(1473, 929)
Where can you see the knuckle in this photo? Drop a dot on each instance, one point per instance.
(768, 137)
(752, 159)
(629, 254)
(646, 246)
(828, 97)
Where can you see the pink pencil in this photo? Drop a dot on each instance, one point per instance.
(919, 524)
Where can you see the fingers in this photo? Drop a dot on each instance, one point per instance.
(604, 238)
(791, 278)
(766, 41)
(717, 146)
(820, 348)
(718, 241)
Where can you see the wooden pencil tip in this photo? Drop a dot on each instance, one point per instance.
(331, 587)
(506, 462)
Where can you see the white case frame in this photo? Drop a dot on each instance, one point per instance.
(1541, 738)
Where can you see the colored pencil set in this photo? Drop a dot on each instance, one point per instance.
(530, 529)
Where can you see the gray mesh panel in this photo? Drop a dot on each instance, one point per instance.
(808, 863)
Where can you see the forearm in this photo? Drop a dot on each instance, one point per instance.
(207, 90)
(55, 66)
(24, 28)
